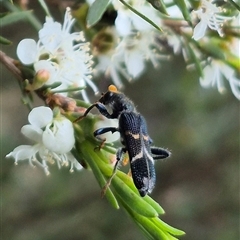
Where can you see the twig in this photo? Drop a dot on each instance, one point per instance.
(9, 63)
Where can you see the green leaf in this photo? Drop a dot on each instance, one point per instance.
(164, 226)
(154, 204)
(5, 41)
(141, 15)
(45, 8)
(89, 156)
(194, 58)
(96, 11)
(147, 225)
(14, 17)
(133, 200)
(128, 181)
(159, 5)
(233, 61)
(3, 14)
(214, 50)
(66, 89)
(185, 11)
(235, 5)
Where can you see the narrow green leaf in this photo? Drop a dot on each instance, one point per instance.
(82, 103)
(133, 200)
(194, 58)
(129, 182)
(214, 51)
(45, 8)
(164, 226)
(148, 226)
(235, 5)
(17, 15)
(14, 17)
(154, 204)
(159, 5)
(141, 15)
(66, 89)
(3, 14)
(89, 158)
(185, 11)
(5, 41)
(96, 11)
(233, 61)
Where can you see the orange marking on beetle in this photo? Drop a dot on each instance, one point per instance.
(112, 88)
(135, 136)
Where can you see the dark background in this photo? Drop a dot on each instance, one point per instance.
(198, 186)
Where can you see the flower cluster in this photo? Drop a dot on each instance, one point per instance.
(53, 137)
(61, 56)
(134, 45)
(132, 41)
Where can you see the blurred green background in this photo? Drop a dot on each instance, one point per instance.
(198, 186)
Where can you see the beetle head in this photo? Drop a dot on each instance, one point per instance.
(117, 101)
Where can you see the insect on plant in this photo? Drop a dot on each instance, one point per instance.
(134, 138)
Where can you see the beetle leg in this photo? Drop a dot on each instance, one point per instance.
(101, 131)
(85, 113)
(119, 155)
(150, 141)
(102, 109)
(160, 153)
(105, 130)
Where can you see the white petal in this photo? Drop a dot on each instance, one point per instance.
(27, 51)
(227, 71)
(199, 30)
(40, 116)
(51, 34)
(74, 162)
(115, 76)
(22, 152)
(77, 165)
(235, 86)
(59, 136)
(32, 132)
(174, 11)
(103, 63)
(209, 76)
(134, 63)
(123, 24)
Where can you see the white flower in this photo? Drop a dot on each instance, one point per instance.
(63, 54)
(130, 56)
(127, 21)
(53, 137)
(214, 75)
(209, 16)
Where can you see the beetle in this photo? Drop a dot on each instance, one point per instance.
(134, 138)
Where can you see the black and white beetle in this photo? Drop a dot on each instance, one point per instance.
(134, 137)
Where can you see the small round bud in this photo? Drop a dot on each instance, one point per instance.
(42, 76)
